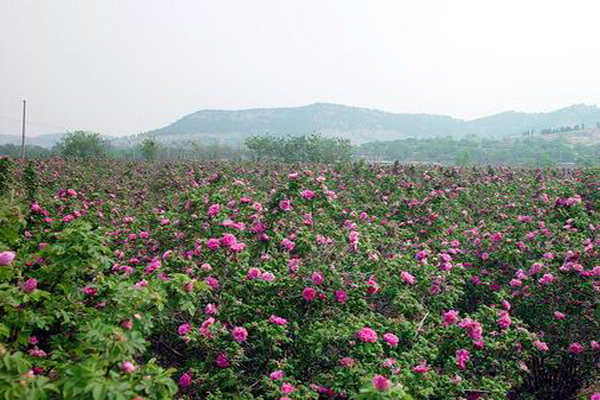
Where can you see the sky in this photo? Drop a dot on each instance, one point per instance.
(121, 67)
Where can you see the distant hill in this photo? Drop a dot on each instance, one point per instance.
(586, 137)
(362, 124)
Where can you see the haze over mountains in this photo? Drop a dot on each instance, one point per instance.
(358, 124)
(363, 124)
(46, 140)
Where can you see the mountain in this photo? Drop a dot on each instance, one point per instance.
(362, 124)
(516, 122)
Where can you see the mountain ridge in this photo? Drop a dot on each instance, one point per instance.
(363, 124)
(359, 124)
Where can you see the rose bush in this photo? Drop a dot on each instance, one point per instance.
(267, 281)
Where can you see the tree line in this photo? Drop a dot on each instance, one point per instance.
(528, 151)
(532, 151)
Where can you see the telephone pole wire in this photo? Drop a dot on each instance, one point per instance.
(23, 130)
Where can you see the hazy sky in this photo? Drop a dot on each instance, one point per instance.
(126, 66)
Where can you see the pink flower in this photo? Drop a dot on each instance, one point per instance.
(317, 278)
(90, 291)
(308, 194)
(127, 324)
(38, 353)
(308, 219)
(206, 267)
(372, 286)
(7, 257)
(381, 383)
(595, 396)
(341, 296)
(253, 273)
(309, 294)
(185, 380)
(420, 369)
(474, 329)
(127, 367)
(239, 334)
(515, 282)
(188, 286)
(213, 210)
(210, 309)
(267, 276)
(276, 375)
(367, 335)
(389, 362)
(462, 356)
(348, 362)
(576, 348)
(450, 317)
(277, 320)
(285, 205)
(407, 277)
(504, 321)
(391, 339)
(205, 328)
(288, 244)
(222, 360)
(541, 346)
(30, 285)
(559, 315)
(212, 282)
(228, 240)
(213, 244)
(546, 279)
(184, 329)
(287, 388)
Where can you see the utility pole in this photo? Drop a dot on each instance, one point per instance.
(23, 130)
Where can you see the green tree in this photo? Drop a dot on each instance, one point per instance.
(311, 148)
(149, 148)
(83, 144)
(463, 157)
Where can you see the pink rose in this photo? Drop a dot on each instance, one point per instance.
(239, 334)
(381, 383)
(367, 335)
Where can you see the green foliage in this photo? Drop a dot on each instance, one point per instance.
(311, 148)
(149, 148)
(31, 183)
(463, 158)
(11, 221)
(32, 151)
(6, 166)
(528, 151)
(83, 144)
(124, 273)
(89, 345)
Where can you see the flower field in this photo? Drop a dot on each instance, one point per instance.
(131, 280)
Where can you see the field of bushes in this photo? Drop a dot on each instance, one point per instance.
(161, 280)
